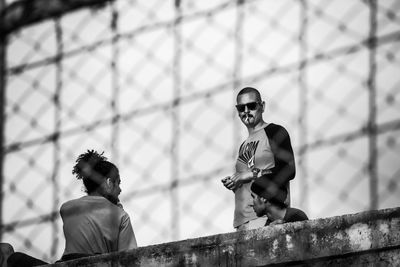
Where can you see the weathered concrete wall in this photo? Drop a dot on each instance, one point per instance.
(367, 239)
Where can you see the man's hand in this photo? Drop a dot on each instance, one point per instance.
(236, 180)
(240, 178)
(227, 182)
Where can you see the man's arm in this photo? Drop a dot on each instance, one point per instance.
(234, 181)
(284, 169)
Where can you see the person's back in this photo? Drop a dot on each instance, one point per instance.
(272, 203)
(294, 215)
(94, 225)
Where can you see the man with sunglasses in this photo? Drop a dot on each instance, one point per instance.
(267, 153)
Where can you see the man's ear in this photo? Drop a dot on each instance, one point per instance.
(108, 181)
(263, 106)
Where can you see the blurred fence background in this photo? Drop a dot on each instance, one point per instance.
(153, 84)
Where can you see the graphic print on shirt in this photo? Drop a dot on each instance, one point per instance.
(247, 153)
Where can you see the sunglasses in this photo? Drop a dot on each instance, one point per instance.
(250, 106)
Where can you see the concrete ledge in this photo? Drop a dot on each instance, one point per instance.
(368, 238)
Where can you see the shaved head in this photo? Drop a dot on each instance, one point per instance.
(248, 90)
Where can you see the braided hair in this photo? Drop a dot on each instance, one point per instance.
(92, 168)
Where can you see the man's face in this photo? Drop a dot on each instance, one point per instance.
(250, 109)
(116, 189)
(259, 206)
(113, 188)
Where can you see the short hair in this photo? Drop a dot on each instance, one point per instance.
(278, 202)
(248, 90)
(263, 188)
(93, 168)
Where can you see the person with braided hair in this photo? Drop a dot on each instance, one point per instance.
(95, 223)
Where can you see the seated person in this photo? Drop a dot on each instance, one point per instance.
(5, 251)
(95, 224)
(92, 224)
(270, 201)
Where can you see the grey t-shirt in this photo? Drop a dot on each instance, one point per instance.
(93, 225)
(254, 152)
(268, 148)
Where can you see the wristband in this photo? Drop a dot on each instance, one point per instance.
(255, 172)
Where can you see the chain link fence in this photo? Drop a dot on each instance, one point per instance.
(153, 84)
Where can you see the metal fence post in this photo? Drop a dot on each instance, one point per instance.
(237, 75)
(3, 49)
(56, 136)
(372, 127)
(303, 107)
(115, 87)
(176, 121)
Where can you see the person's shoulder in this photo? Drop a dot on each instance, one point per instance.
(274, 130)
(124, 214)
(69, 203)
(76, 202)
(299, 213)
(68, 206)
(121, 214)
(274, 126)
(296, 210)
(72, 202)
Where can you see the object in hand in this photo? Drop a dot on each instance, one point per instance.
(225, 179)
